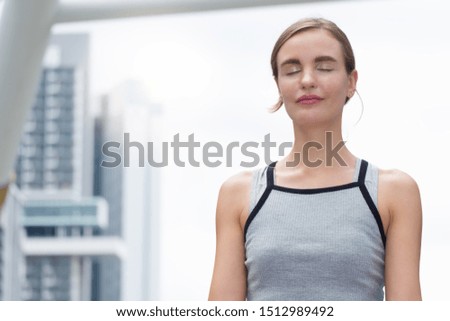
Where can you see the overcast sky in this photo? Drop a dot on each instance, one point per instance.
(211, 75)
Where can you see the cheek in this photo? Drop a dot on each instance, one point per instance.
(337, 88)
(286, 87)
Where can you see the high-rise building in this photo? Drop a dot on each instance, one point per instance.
(72, 229)
(48, 242)
(131, 189)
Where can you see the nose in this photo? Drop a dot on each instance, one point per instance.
(308, 79)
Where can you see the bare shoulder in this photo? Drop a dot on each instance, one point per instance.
(234, 194)
(400, 192)
(238, 182)
(398, 181)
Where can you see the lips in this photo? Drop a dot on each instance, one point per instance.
(309, 99)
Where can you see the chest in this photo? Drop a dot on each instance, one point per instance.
(307, 222)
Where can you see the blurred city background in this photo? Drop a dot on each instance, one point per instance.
(71, 229)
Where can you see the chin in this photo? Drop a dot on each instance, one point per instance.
(306, 117)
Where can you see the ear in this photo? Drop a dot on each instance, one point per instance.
(352, 80)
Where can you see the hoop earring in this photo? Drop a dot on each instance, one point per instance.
(347, 137)
(362, 104)
(362, 107)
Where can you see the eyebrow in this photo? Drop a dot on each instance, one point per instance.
(294, 61)
(325, 58)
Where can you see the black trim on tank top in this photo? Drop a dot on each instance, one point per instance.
(270, 178)
(262, 200)
(365, 193)
(316, 190)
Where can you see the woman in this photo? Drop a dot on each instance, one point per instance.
(321, 223)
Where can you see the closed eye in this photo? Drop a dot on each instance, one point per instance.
(292, 72)
(325, 66)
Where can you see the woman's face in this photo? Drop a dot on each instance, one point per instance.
(312, 79)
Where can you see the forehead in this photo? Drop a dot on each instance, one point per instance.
(306, 45)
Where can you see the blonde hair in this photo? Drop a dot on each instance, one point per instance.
(308, 24)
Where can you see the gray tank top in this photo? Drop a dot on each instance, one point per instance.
(315, 244)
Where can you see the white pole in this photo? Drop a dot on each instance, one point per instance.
(24, 30)
(74, 12)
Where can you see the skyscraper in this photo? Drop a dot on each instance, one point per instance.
(50, 217)
(131, 190)
(72, 229)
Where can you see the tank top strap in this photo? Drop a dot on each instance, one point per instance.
(357, 170)
(362, 171)
(262, 179)
(270, 176)
(368, 185)
(259, 183)
(368, 177)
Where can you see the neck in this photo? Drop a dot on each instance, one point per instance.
(318, 147)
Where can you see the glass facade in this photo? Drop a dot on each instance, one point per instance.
(58, 214)
(45, 159)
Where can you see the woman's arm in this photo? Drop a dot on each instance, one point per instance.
(229, 280)
(403, 238)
